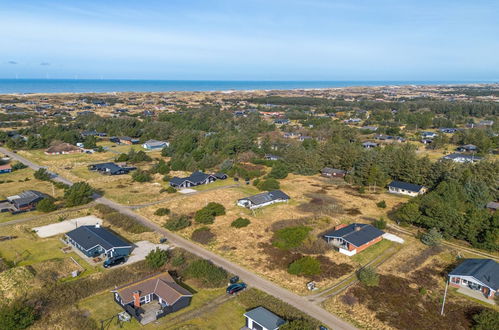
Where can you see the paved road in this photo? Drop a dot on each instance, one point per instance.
(301, 303)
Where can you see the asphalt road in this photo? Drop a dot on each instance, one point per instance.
(252, 279)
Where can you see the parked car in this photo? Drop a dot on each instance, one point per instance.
(235, 288)
(234, 280)
(113, 261)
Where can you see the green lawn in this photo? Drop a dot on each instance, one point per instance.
(216, 184)
(372, 252)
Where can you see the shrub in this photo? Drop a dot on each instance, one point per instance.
(125, 222)
(432, 237)
(207, 273)
(141, 176)
(215, 208)
(279, 170)
(18, 166)
(268, 184)
(46, 205)
(121, 158)
(17, 315)
(381, 204)
(290, 237)
(298, 325)
(104, 209)
(162, 211)
(240, 223)
(157, 258)
(204, 216)
(42, 174)
(178, 222)
(178, 260)
(169, 190)
(362, 189)
(161, 167)
(305, 266)
(368, 276)
(486, 320)
(203, 235)
(78, 194)
(380, 223)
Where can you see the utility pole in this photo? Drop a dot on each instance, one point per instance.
(445, 295)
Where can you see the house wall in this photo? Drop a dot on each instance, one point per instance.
(254, 325)
(119, 252)
(178, 305)
(394, 190)
(459, 281)
(365, 246)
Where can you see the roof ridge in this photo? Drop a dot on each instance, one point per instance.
(140, 281)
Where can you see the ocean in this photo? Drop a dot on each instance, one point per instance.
(28, 86)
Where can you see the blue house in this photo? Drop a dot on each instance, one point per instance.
(94, 241)
(155, 144)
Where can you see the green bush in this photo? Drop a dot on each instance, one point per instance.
(215, 208)
(290, 237)
(380, 223)
(169, 190)
(162, 211)
(432, 237)
(381, 204)
(486, 320)
(178, 222)
(204, 216)
(368, 276)
(203, 235)
(305, 266)
(298, 325)
(157, 258)
(42, 174)
(46, 205)
(207, 273)
(141, 176)
(240, 223)
(268, 184)
(17, 315)
(125, 222)
(18, 166)
(279, 170)
(78, 194)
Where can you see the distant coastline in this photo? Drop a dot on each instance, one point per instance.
(50, 86)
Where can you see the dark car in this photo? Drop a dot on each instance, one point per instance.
(234, 280)
(113, 261)
(235, 288)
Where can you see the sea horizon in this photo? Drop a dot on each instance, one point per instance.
(53, 86)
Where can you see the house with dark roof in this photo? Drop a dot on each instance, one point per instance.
(480, 275)
(94, 241)
(404, 188)
(111, 168)
(263, 199)
(329, 172)
(152, 297)
(261, 318)
(353, 238)
(196, 179)
(271, 157)
(128, 140)
(154, 144)
(467, 148)
(462, 158)
(369, 145)
(23, 202)
(5, 168)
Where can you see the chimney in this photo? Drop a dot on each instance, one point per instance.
(357, 227)
(97, 225)
(136, 299)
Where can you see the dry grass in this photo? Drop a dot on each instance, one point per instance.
(247, 246)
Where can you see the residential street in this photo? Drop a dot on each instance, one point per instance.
(301, 303)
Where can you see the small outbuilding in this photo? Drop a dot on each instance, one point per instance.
(261, 318)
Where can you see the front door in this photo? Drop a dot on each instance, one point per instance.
(147, 299)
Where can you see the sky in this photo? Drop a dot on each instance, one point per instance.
(251, 40)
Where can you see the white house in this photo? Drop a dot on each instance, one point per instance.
(404, 188)
(477, 274)
(462, 158)
(263, 199)
(155, 144)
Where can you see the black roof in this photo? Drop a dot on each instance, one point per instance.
(26, 198)
(196, 178)
(357, 234)
(406, 186)
(111, 167)
(266, 197)
(90, 236)
(484, 270)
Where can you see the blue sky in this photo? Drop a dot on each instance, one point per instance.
(251, 39)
